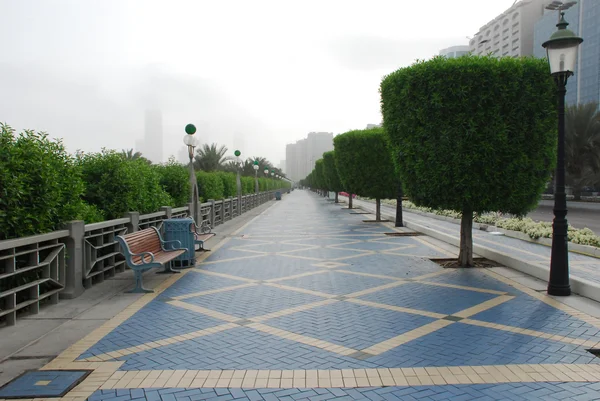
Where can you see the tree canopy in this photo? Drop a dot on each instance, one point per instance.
(472, 134)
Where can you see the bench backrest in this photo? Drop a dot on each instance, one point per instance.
(146, 240)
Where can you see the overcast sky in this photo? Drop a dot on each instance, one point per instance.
(251, 74)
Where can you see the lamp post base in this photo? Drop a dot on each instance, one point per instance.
(559, 290)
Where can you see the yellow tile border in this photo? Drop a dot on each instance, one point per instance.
(518, 373)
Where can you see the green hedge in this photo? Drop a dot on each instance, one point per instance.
(175, 180)
(116, 185)
(40, 185)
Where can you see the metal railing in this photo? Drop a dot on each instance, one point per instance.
(35, 270)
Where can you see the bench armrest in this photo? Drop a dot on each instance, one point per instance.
(200, 229)
(143, 255)
(175, 241)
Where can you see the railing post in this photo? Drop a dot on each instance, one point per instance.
(134, 221)
(212, 212)
(198, 217)
(168, 211)
(74, 272)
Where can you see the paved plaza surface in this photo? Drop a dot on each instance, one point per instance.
(307, 301)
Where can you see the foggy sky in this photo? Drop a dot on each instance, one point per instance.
(253, 75)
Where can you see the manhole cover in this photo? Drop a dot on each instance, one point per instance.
(43, 383)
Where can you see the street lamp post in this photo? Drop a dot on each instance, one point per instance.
(561, 49)
(238, 181)
(255, 166)
(191, 141)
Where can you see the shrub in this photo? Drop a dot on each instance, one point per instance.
(229, 185)
(40, 184)
(175, 180)
(210, 186)
(116, 185)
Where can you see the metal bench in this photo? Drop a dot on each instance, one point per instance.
(201, 235)
(145, 250)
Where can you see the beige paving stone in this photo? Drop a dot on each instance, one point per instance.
(349, 382)
(362, 382)
(299, 382)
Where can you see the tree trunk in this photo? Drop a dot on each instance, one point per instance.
(349, 201)
(465, 257)
(399, 206)
(377, 209)
(336, 198)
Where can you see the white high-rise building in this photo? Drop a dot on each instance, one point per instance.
(302, 156)
(510, 33)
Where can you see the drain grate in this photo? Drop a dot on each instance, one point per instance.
(404, 234)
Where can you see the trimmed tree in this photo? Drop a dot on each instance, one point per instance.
(330, 172)
(364, 164)
(319, 177)
(472, 134)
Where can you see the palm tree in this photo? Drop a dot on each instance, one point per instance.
(211, 157)
(128, 154)
(582, 147)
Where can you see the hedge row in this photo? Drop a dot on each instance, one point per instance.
(42, 186)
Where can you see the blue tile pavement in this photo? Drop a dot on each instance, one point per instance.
(511, 391)
(155, 321)
(429, 298)
(463, 344)
(239, 348)
(530, 313)
(351, 325)
(28, 385)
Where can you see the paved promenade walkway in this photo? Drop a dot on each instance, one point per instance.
(309, 302)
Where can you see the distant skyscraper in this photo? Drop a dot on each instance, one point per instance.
(301, 156)
(583, 19)
(510, 33)
(152, 144)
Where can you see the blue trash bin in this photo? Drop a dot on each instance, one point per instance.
(180, 229)
(278, 195)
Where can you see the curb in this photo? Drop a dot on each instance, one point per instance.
(583, 287)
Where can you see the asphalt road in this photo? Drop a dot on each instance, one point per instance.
(580, 214)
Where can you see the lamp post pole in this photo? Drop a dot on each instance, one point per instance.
(562, 55)
(255, 166)
(238, 181)
(191, 141)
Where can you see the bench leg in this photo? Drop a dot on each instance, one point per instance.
(168, 269)
(202, 249)
(139, 286)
